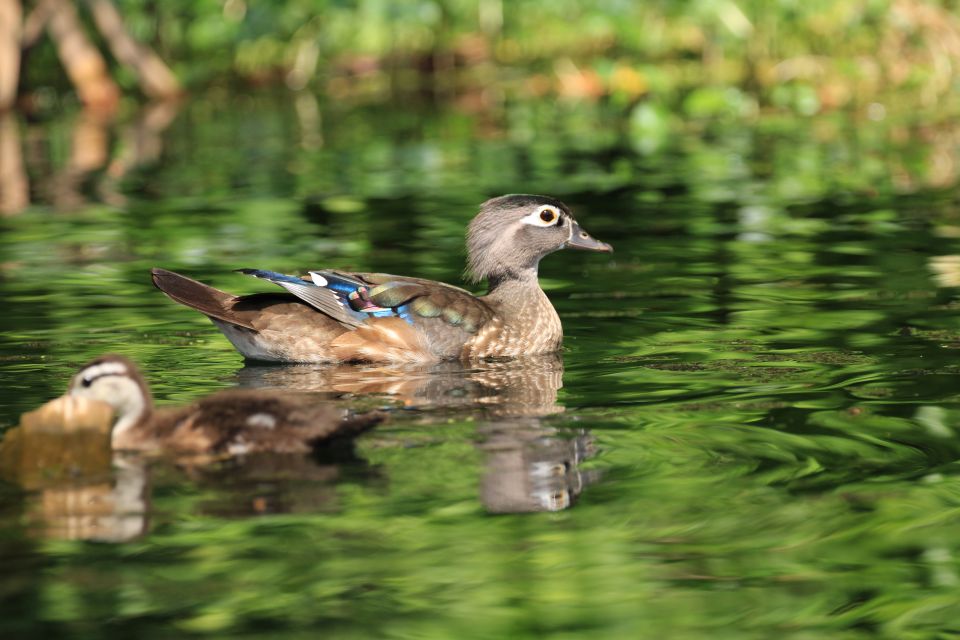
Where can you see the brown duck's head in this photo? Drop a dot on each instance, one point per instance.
(117, 381)
(512, 233)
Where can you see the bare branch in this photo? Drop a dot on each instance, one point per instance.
(84, 64)
(11, 27)
(35, 23)
(156, 79)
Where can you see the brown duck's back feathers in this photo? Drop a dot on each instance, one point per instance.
(431, 321)
(239, 422)
(383, 278)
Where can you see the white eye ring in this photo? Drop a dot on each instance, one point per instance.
(546, 215)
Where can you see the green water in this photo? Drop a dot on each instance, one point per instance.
(752, 432)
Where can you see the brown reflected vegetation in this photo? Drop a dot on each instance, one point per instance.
(28, 452)
(11, 17)
(156, 79)
(101, 149)
(84, 64)
(945, 270)
(14, 187)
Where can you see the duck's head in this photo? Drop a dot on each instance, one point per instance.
(511, 234)
(116, 381)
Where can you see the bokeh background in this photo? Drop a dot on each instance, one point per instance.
(753, 429)
(876, 78)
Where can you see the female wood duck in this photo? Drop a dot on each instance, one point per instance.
(335, 316)
(233, 422)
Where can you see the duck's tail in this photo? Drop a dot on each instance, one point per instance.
(196, 295)
(338, 438)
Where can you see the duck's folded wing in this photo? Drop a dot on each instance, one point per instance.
(353, 299)
(319, 296)
(415, 300)
(412, 320)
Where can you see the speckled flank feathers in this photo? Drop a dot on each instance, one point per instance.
(535, 327)
(343, 316)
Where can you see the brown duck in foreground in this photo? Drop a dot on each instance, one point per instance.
(233, 422)
(336, 316)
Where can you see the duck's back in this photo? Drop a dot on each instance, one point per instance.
(334, 316)
(392, 317)
(239, 422)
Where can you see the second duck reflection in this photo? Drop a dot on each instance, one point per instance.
(528, 466)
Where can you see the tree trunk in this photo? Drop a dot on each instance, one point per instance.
(34, 24)
(156, 79)
(14, 188)
(11, 27)
(85, 66)
(89, 152)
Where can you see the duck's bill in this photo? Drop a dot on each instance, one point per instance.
(580, 239)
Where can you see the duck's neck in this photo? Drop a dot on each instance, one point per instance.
(528, 323)
(511, 284)
(134, 412)
(517, 296)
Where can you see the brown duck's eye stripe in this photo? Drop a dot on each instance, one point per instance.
(101, 370)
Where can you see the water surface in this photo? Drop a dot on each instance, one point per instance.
(751, 431)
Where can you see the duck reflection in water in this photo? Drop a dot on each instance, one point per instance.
(530, 465)
(77, 487)
(81, 458)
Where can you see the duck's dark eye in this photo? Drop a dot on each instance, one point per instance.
(86, 382)
(548, 215)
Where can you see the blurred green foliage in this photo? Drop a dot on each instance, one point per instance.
(705, 57)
